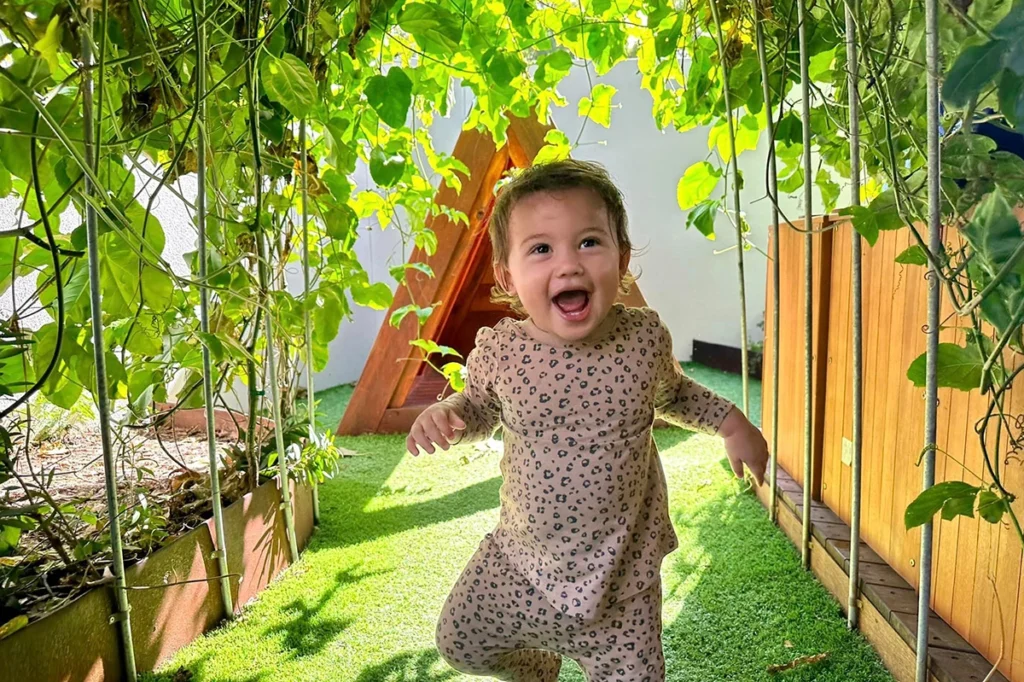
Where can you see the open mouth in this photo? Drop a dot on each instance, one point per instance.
(574, 305)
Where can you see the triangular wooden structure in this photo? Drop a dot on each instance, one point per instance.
(396, 385)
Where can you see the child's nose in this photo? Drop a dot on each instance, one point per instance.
(570, 265)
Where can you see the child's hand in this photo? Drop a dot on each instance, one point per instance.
(436, 425)
(744, 444)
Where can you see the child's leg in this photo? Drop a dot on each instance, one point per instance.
(494, 623)
(625, 644)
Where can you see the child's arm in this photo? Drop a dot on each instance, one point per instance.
(682, 401)
(474, 413)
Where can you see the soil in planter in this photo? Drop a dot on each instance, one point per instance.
(163, 488)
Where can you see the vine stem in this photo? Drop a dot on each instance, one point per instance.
(738, 220)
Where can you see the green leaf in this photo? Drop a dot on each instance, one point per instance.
(863, 221)
(991, 507)
(930, 501)
(820, 65)
(288, 81)
(1012, 25)
(994, 231)
(829, 189)
(328, 314)
(958, 506)
(697, 184)
(703, 218)
(556, 149)
(789, 129)
(454, 372)
(390, 96)
(386, 169)
(552, 68)
(793, 182)
(214, 345)
(340, 221)
(598, 107)
(437, 30)
(915, 255)
(401, 314)
(973, 70)
(666, 41)
(377, 296)
(49, 45)
(429, 347)
(958, 367)
(503, 67)
(1011, 98)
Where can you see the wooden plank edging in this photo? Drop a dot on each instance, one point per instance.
(888, 603)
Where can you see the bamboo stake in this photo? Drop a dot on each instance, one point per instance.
(221, 551)
(123, 614)
(931, 384)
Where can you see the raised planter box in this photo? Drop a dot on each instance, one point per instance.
(176, 596)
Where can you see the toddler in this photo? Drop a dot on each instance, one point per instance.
(573, 566)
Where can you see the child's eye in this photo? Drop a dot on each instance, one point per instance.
(541, 249)
(589, 242)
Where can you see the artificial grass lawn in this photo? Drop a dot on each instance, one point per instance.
(396, 531)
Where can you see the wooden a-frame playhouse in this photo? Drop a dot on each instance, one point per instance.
(396, 385)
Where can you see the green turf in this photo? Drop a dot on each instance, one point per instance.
(396, 531)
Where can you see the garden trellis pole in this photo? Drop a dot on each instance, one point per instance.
(805, 117)
(221, 551)
(737, 217)
(773, 190)
(263, 265)
(853, 610)
(306, 321)
(92, 155)
(931, 401)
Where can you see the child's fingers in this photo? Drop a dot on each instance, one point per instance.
(456, 422)
(422, 438)
(443, 425)
(737, 466)
(434, 434)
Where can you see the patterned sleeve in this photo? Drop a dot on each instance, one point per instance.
(681, 400)
(477, 404)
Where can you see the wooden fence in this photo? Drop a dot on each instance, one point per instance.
(973, 560)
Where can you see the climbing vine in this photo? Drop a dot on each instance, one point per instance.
(365, 79)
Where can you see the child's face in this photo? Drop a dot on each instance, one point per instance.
(563, 261)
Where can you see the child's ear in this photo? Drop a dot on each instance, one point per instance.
(504, 279)
(624, 257)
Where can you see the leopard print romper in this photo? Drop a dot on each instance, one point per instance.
(573, 566)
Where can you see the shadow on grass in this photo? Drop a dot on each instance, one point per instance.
(307, 633)
(344, 502)
(746, 603)
(408, 667)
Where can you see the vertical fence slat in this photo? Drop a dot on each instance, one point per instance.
(855, 168)
(805, 115)
(221, 552)
(123, 614)
(773, 191)
(931, 383)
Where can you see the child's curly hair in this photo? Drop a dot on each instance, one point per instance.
(553, 177)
